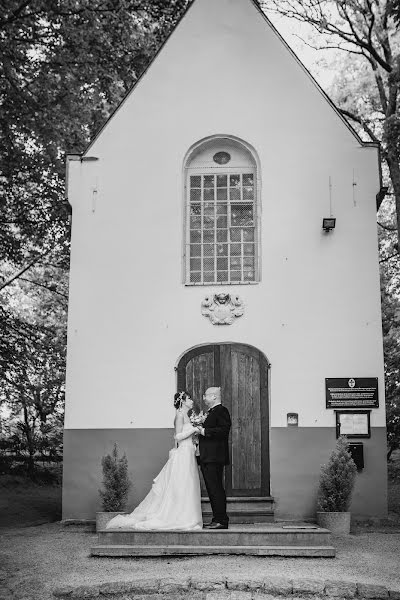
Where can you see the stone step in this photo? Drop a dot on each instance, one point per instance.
(182, 550)
(239, 535)
(243, 509)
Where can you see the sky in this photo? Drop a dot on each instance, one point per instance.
(316, 61)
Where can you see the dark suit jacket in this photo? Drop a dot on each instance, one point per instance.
(213, 447)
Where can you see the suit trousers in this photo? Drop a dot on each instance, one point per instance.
(213, 478)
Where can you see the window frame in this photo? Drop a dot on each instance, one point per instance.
(222, 170)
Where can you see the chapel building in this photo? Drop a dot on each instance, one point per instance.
(199, 257)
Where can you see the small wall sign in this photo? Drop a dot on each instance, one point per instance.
(352, 392)
(353, 423)
(292, 419)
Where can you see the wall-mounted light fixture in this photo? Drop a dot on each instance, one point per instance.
(328, 224)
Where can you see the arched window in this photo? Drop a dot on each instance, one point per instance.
(222, 214)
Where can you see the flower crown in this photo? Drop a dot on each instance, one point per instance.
(181, 398)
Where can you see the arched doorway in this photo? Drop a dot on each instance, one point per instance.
(242, 373)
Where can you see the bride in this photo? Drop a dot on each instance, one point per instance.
(174, 501)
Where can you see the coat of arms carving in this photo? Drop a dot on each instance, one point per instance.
(222, 309)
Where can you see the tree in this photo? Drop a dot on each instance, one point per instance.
(337, 479)
(63, 68)
(365, 32)
(32, 361)
(364, 39)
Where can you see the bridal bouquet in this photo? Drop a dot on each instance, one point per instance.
(197, 419)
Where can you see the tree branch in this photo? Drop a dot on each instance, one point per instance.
(362, 122)
(386, 227)
(396, 254)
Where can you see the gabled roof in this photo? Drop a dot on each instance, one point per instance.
(269, 24)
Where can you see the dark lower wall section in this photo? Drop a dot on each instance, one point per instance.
(146, 451)
(296, 455)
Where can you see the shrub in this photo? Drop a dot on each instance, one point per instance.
(116, 481)
(337, 479)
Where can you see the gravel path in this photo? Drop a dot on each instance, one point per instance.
(35, 560)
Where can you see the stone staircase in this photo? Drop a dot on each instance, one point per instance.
(243, 510)
(260, 539)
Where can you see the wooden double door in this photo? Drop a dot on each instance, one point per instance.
(242, 373)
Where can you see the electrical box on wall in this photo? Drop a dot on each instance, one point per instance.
(356, 450)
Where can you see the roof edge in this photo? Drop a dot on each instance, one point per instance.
(128, 93)
(292, 52)
(317, 85)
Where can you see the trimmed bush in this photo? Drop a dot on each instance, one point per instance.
(337, 479)
(116, 481)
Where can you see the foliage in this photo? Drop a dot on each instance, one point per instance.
(390, 300)
(366, 36)
(337, 479)
(364, 43)
(32, 362)
(116, 481)
(64, 67)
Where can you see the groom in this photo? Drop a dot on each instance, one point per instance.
(214, 454)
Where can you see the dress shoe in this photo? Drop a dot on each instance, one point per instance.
(216, 526)
(207, 525)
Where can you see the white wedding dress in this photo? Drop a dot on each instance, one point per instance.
(174, 501)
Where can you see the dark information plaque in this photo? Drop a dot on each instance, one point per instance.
(352, 392)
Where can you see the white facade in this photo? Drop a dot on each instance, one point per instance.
(224, 74)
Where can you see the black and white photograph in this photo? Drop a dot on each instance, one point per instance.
(200, 299)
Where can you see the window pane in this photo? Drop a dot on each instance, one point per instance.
(248, 193)
(249, 249)
(242, 214)
(195, 181)
(234, 181)
(195, 222)
(235, 263)
(195, 209)
(209, 209)
(222, 222)
(208, 222)
(222, 276)
(195, 250)
(249, 275)
(208, 264)
(208, 236)
(234, 194)
(248, 179)
(208, 250)
(222, 264)
(222, 180)
(208, 194)
(195, 236)
(222, 209)
(195, 277)
(248, 263)
(195, 264)
(195, 195)
(248, 235)
(209, 181)
(236, 249)
(236, 275)
(222, 249)
(235, 235)
(222, 235)
(209, 276)
(209, 205)
(222, 194)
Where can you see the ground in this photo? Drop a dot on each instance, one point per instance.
(38, 554)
